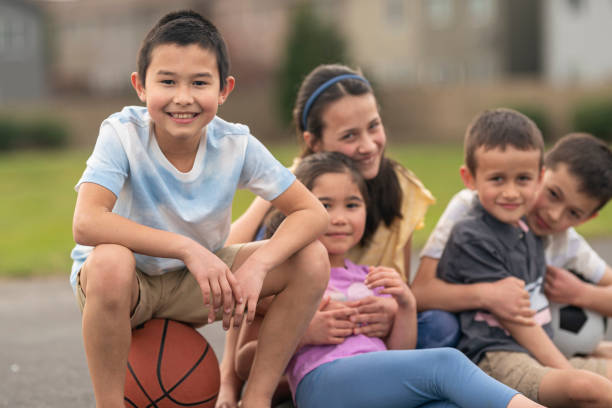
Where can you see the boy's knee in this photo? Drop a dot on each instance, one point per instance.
(437, 328)
(109, 269)
(313, 263)
(584, 385)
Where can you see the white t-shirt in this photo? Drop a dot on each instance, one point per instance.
(150, 191)
(567, 249)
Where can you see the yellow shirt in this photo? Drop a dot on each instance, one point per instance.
(386, 246)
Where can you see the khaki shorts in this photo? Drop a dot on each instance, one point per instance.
(174, 295)
(523, 373)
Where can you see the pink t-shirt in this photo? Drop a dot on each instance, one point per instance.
(344, 284)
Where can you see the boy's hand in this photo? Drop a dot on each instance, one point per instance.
(562, 286)
(375, 315)
(392, 284)
(508, 300)
(330, 324)
(218, 285)
(250, 275)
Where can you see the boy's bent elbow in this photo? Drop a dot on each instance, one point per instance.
(81, 230)
(322, 217)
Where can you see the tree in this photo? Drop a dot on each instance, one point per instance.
(310, 42)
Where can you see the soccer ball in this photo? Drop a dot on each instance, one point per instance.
(576, 331)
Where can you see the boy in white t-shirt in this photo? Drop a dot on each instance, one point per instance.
(154, 209)
(577, 183)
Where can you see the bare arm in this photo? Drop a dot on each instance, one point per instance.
(506, 298)
(245, 227)
(537, 342)
(562, 286)
(301, 209)
(94, 223)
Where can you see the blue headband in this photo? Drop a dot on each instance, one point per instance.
(322, 88)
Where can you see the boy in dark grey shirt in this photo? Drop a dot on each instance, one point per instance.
(483, 249)
(503, 163)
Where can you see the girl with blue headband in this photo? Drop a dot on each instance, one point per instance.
(336, 110)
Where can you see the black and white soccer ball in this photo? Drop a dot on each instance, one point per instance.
(576, 331)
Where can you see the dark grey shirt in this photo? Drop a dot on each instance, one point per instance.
(483, 249)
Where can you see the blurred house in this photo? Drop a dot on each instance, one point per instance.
(456, 41)
(96, 42)
(398, 42)
(22, 55)
(576, 39)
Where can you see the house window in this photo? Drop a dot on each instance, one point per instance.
(482, 12)
(440, 13)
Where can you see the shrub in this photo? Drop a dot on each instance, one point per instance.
(34, 133)
(594, 116)
(46, 133)
(8, 133)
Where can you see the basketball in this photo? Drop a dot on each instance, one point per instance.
(170, 365)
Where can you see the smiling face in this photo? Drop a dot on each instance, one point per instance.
(182, 91)
(340, 195)
(560, 204)
(506, 181)
(352, 126)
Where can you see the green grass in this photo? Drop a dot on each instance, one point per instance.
(38, 201)
(36, 211)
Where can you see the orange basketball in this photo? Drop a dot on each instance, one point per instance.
(170, 365)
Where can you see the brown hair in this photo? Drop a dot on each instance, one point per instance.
(587, 158)
(499, 128)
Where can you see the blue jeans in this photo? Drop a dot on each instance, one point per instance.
(441, 377)
(437, 328)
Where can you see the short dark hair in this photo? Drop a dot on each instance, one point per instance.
(312, 82)
(587, 158)
(499, 128)
(184, 27)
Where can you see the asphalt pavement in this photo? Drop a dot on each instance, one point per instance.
(42, 361)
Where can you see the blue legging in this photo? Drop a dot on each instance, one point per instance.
(428, 378)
